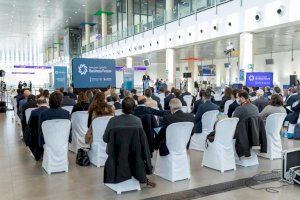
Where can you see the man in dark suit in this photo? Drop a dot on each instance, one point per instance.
(33, 125)
(205, 107)
(177, 94)
(235, 104)
(177, 116)
(141, 109)
(71, 93)
(54, 112)
(293, 97)
(31, 103)
(67, 101)
(168, 98)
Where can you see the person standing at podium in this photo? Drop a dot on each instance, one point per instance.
(146, 80)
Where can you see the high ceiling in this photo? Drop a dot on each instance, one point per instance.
(24, 21)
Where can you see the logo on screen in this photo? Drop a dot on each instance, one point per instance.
(251, 78)
(82, 69)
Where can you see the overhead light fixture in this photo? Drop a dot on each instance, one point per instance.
(83, 5)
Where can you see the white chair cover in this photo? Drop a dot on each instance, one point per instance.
(68, 108)
(97, 153)
(56, 135)
(226, 106)
(28, 113)
(220, 154)
(291, 127)
(162, 99)
(79, 121)
(175, 166)
(118, 112)
(185, 109)
(246, 161)
(125, 186)
(188, 100)
(208, 121)
(273, 127)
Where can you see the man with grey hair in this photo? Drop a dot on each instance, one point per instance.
(33, 125)
(261, 102)
(177, 115)
(71, 93)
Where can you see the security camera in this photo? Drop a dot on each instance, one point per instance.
(281, 11)
(258, 16)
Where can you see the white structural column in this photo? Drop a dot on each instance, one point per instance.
(87, 35)
(129, 62)
(246, 51)
(170, 61)
(169, 9)
(129, 13)
(104, 26)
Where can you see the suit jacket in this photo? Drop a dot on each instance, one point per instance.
(232, 108)
(33, 127)
(167, 101)
(80, 107)
(49, 114)
(196, 105)
(72, 96)
(245, 111)
(222, 104)
(143, 110)
(261, 103)
(160, 140)
(157, 99)
(186, 93)
(118, 105)
(205, 107)
(292, 99)
(250, 132)
(67, 101)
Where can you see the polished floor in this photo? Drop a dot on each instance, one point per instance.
(23, 178)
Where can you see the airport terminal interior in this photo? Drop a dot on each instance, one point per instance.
(149, 99)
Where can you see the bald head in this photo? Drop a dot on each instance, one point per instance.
(26, 93)
(142, 99)
(175, 105)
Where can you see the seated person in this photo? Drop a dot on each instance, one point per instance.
(54, 112)
(41, 91)
(67, 101)
(177, 116)
(293, 97)
(268, 92)
(30, 103)
(261, 102)
(169, 96)
(71, 93)
(26, 94)
(150, 102)
(247, 109)
(82, 103)
(235, 103)
(205, 107)
(177, 94)
(133, 93)
(141, 109)
(116, 100)
(275, 106)
(33, 125)
(155, 98)
(226, 97)
(198, 102)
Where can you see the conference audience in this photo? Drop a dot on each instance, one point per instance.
(268, 92)
(67, 101)
(275, 106)
(155, 98)
(205, 107)
(261, 102)
(116, 100)
(198, 102)
(54, 112)
(33, 127)
(226, 97)
(142, 109)
(235, 103)
(26, 94)
(177, 94)
(177, 115)
(277, 90)
(71, 93)
(82, 103)
(150, 102)
(247, 109)
(169, 96)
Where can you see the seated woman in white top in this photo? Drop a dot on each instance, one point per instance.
(275, 106)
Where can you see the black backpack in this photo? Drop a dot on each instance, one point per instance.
(82, 158)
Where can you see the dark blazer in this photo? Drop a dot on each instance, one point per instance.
(80, 107)
(67, 101)
(167, 101)
(232, 108)
(292, 99)
(245, 111)
(250, 132)
(33, 126)
(128, 152)
(49, 114)
(196, 105)
(143, 110)
(186, 93)
(72, 96)
(117, 105)
(205, 107)
(261, 103)
(160, 140)
(222, 104)
(157, 99)
(29, 104)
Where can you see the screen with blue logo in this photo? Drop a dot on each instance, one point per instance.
(60, 77)
(259, 79)
(93, 73)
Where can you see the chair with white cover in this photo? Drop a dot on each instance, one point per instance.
(125, 186)
(118, 112)
(273, 127)
(246, 161)
(220, 154)
(68, 108)
(188, 100)
(28, 113)
(79, 121)
(97, 153)
(185, 109)
(226, 106)
(176, 165)
(208, 121)
(56, 135)
(162, 99)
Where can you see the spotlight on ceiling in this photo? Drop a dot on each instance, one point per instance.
(258, 16)
(281, 11)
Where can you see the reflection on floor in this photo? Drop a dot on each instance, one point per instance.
(23, 178)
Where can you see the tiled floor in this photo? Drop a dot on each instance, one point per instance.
(23, 178)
